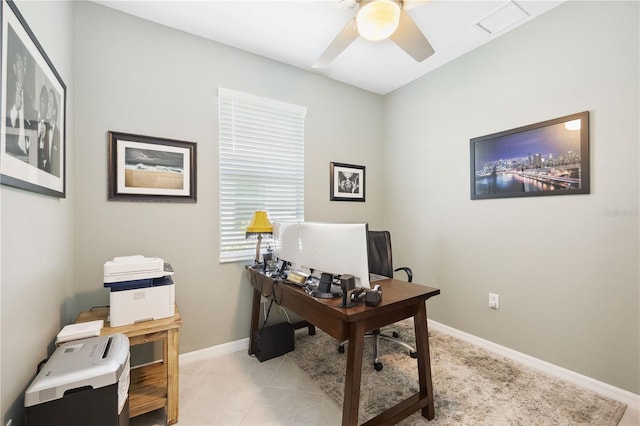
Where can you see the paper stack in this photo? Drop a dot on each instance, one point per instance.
(79, 330)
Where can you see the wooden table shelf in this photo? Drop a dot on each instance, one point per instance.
(154, 385)
(148, 388)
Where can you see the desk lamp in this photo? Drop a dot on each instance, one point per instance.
(259, 224)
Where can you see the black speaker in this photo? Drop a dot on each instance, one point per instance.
(347, 282)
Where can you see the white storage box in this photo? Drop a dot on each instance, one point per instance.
(141, 304)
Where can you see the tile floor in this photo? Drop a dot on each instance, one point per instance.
(236, 389)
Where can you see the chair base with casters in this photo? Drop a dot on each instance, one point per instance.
(381, 263)
(377, 335)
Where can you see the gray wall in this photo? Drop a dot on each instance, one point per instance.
(137, 77)
(565, 267)
(38, 248)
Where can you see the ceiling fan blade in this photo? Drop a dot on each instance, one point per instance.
(410, 4)
(348, 34)
(410, 39)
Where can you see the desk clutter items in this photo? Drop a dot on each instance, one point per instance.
(348, 286)
(141, 289)
(298, 278)
(373, 297)
(84, 382)
(79, 330)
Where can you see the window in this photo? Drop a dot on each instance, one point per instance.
(261, 167)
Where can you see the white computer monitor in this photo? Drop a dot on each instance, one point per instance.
(336, 248)
(286, 242)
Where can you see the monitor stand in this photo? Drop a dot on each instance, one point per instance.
(326, 289)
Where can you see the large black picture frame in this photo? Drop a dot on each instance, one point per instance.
(33, 110)
(546, 158)
(145, 168)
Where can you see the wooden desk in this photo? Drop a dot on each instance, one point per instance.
(155, 385)
(400, 300)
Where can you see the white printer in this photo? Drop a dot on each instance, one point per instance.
(141, 289)
(84, 382)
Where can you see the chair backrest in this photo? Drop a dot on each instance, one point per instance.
(380, 259)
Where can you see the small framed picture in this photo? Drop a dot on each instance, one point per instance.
(347, 182)
(33, 103)
(144, 168)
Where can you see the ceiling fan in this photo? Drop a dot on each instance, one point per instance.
(379, 20)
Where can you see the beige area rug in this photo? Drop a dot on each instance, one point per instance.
(472, 386)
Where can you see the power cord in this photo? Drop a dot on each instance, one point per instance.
(98, 307)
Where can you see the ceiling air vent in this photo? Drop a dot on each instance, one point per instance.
(502, 18)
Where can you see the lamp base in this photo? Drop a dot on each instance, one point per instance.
(257, 258)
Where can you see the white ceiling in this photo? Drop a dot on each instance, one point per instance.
(296, 32)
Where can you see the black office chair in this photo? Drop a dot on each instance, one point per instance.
(381, 263)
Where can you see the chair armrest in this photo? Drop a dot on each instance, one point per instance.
(408, 272)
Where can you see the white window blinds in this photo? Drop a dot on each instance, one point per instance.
(261, 167)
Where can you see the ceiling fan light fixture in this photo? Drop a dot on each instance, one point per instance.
(378, 19)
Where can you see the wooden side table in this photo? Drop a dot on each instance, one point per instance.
(155, 385)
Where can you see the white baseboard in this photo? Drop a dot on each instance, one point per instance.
(214, 351)
(631, 399)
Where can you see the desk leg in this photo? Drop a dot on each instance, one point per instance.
(171, 353)
(353, 374)
(424, 360)
(255, 317)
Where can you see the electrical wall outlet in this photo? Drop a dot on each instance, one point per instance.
(494, 301)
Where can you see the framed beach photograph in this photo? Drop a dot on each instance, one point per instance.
(144, 168)
(347, 182)
(33, 104)
(546, 158)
